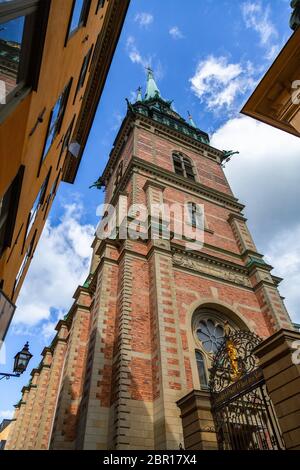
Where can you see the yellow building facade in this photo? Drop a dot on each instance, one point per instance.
(54, 60)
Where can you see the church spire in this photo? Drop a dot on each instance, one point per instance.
(152, 90)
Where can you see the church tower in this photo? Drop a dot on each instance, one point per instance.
(143, 328)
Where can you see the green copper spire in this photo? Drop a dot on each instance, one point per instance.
(152, 89)
(139, 94)
(192, 123)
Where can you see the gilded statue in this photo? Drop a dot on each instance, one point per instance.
(233, 358)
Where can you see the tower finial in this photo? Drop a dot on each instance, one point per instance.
(152, 90)
(139, 94)
(192, 123)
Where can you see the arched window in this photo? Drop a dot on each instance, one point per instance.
(211, 334)
(210, 327)
(183, 166)
(201, 370)
(195, 215)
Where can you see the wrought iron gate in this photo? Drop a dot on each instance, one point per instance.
(242, 410)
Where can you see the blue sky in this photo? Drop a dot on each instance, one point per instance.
(207, 55)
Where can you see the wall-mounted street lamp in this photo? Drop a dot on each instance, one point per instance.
(21, 362)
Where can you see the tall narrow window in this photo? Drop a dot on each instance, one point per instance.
(196, 215)
(8, 210)
(83, 72)
(66, 140)
(183, 166)
(36, 206)
(100, 5)
(56, 118)
(28, 254)
(79, 15)
(201, 370)
(119, 175)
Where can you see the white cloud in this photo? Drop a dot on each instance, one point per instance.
(175, 33)
(136, 57)
(134, 54)
(60, 263)
(284, 253)
(6, 414)
(258, 18)
(144, 19)
(265, 177)
(218, 83)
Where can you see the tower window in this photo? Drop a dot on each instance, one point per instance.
(119, 175)
(183, 166)
(201, 370)
(195, 215)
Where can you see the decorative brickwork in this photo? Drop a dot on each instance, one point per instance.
(129, 355)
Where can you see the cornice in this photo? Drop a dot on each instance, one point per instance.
(218, 270)
(209, 193)
(209, 259)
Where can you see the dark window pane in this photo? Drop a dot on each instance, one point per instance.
(83, 71)
(11, 34)
(56, 118)
(4, 210)
(100, 5)
(77, 15)
(8, 210)
(178, 165)
(36, 205)
(25, 261)
(201, 370)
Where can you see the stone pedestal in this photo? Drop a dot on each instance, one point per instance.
(197, 421)
(279, 358)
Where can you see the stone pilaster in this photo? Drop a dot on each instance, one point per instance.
(14, 431)
(279, 358)
(241, 232)
(58, 348)
(197, 421)
(21, 420)
(42, 384)
(65, 427)
(266, 291)
(93, 426)
(27, 415)
(169, 381)
(122, 357)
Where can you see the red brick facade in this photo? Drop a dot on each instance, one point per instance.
(128, 354)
